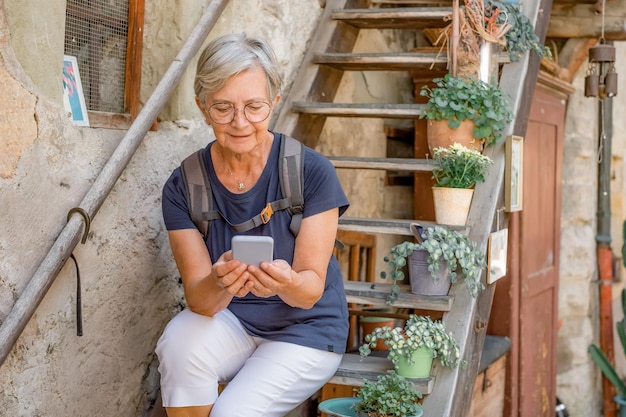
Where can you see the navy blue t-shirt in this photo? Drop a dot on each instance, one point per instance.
(325, 325)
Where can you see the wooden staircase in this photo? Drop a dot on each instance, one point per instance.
(311, 101)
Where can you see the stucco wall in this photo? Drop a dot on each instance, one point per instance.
(129, 282)
(578, 381)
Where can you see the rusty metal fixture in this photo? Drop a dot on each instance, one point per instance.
(601, 79)
(592, 85)
(602, 53)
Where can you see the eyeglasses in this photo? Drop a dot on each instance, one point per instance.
(224, 113)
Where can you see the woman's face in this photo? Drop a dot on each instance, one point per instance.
(240, 135)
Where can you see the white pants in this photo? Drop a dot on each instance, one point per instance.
(265, 378)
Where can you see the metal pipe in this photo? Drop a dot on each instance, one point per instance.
(31, 297)
(603, 247)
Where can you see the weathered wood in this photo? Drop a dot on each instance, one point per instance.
(400, 227)
(573, 55)
(134, 49)
(405, 18)
(317, 83)
(388, 164)
(468, 317)
(387, 111)
(107, 120)
(353, 370)
(404, 61)
(376, 294)
(583, 21)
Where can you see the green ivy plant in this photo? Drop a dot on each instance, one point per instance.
(521, 35)
(459, 167)
(443, 245)
(504, 23)
(418, 332)
(457, 99)
(391, 395)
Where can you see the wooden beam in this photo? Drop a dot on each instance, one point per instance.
(585, 21)
(574, 54)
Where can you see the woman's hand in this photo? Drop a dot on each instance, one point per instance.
(232, 276)
(271, 278)
(208, 288)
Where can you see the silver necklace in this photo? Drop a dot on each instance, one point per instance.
(240, 185)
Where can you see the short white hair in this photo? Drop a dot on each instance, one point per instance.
(230, 55)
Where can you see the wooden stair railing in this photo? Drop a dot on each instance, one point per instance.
(302, 116)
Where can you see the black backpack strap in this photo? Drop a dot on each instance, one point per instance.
(291, 171)
(199, 195)
(291, 175)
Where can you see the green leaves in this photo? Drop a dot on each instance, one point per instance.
(459, 167)
(603, 362)
(390, 395)
(443, 245)
(456, 99)
(418, 332)
(607, 368)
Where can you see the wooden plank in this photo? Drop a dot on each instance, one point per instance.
(353, 370)
(391, 61)
(380, 110)
(376, 294)
(107, 120)
(387, 164)
(488, 395)
(573, 20)
(134, 49)
(387, 226)
(396, 18)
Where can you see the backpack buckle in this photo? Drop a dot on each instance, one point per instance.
(266, 213)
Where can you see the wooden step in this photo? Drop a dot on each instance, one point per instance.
(401, 227)
(409, 2)
(389, 61)
(387, 164)
(353, 370)
(398, 18)
(380, 110)
(360, 292)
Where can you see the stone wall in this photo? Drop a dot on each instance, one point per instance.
(578, 379)
(129, 282)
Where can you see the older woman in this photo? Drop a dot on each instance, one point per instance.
(274, 333)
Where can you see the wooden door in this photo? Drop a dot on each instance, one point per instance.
(539, 255)
(526, 301)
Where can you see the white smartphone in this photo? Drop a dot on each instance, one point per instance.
(252, 250)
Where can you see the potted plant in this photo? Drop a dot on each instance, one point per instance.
(504, 23)
(441, 249)
(607, 367)
(413, 347)
(456, 171)
(485, 28)
(464, 110)
(390, 395)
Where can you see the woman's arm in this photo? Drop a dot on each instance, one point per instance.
(208, 288)
(302, 284)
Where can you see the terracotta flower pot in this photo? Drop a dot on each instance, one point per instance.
(369, 323)
(440, 135)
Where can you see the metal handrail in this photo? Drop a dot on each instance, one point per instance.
(38, 286)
